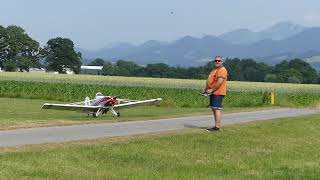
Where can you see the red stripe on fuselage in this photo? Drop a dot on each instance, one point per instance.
(103, 101)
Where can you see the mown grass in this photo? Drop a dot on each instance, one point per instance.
(18, 113)
(27, 112)
(278, 149)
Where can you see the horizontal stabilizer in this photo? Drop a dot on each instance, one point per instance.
(134, 103)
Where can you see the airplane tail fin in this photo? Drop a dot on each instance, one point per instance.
(87, 101)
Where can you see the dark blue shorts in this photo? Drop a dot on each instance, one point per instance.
(216, 101)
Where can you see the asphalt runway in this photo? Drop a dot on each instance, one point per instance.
(20, 137)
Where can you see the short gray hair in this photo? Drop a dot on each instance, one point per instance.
(219, 57)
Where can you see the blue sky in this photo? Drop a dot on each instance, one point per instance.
(96, 23)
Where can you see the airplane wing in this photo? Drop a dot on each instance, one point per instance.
(74, 107)
(129, 103)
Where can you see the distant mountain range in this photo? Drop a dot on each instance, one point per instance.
(279, 31)
(282, 41)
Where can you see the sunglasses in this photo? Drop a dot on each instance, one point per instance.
(217, 60)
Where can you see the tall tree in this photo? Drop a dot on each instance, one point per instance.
(97, 62)
(126, 68)
(301, 71)
(109, 69)
(17, 49)
(290, 76)
(3, 45)
(59, 54)
(309, 74)
(234, 68)
(157, 70)
(246, 70)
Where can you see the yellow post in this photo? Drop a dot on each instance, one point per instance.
(272, 98)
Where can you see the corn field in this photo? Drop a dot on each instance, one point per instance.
(172, 97)
(235, 86)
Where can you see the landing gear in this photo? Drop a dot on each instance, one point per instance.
(104, 111)
(97, 113)
(114, 112)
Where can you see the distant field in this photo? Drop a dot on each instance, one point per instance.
(278, 149)
(156, 82)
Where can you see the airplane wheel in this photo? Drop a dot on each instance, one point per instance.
(118, 114)
(105, 112)
(94, 115)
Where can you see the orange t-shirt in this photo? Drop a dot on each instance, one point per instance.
(213, 78)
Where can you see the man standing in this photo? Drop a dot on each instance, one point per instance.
(216, 87)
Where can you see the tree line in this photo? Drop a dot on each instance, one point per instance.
(19, 51)
(292, 71)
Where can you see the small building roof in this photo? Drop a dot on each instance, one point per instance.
(92, 67)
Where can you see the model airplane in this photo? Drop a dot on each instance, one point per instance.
(99, 105)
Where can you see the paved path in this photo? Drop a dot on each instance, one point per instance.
(91, 131)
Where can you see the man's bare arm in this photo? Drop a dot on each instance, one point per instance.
(216, 86)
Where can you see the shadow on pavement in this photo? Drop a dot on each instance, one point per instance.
(194, 127)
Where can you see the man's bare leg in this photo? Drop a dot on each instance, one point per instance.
(217, 117)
